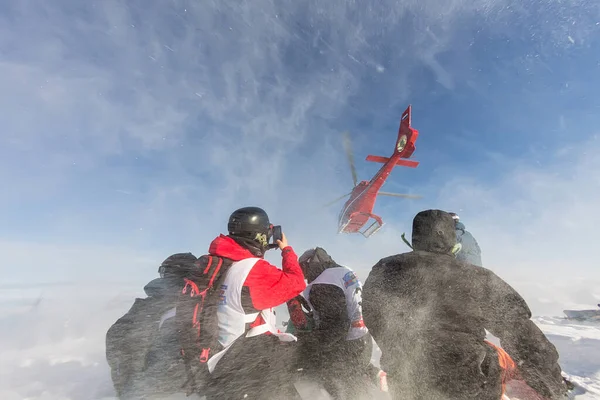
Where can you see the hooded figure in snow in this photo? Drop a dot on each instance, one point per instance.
(428, 313)
(337, 347)
(142, 349)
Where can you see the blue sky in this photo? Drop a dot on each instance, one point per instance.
(130, 130)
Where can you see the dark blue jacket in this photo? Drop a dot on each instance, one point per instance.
(470, 251)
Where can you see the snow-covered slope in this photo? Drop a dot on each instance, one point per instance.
(52, 343)
(578, 344)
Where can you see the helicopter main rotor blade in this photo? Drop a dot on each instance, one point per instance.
(338, 199)
(406, 196)
(350, 155)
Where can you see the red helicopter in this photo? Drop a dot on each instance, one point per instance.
(358, 210)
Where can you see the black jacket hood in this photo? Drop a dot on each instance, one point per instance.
(314, 261)
(433, 231)
(163, 287)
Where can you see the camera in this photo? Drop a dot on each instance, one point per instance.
(275, 235)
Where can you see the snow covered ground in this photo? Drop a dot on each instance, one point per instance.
(52, 343)
(578, 344)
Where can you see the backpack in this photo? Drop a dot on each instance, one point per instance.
(196, 317)
(300, 321)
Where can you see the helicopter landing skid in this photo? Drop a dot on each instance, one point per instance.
(373, 227)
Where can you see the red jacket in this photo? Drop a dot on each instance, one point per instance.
(268, 286)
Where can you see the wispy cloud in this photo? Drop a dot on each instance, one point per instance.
(195, 110)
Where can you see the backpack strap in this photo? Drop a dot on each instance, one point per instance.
(305, 304)
(262, 328)
(198, 343)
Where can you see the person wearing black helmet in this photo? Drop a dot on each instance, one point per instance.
(250, 363)
(338, 348)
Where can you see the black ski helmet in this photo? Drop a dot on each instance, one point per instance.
(252, 223)
(314, 261)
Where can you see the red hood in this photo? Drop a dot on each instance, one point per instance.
(224, 246)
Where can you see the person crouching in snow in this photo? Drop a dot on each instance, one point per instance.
(428, 313)
(255, 357)
(338, 347)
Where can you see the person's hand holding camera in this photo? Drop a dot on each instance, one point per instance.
(283, 243)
